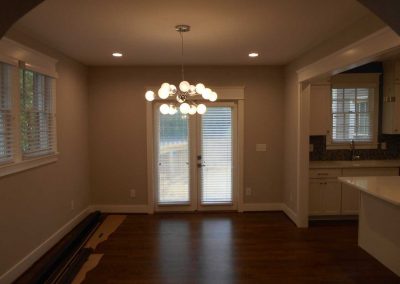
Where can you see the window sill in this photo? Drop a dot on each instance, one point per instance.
(16, 167)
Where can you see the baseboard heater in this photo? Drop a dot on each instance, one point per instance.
(63, 261)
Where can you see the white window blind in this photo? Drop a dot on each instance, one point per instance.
(37, 115)
(352, 115)
(6, 131)
(216, 154)
(173, 158)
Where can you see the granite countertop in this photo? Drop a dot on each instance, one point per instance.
(355, 164)
(385, 188)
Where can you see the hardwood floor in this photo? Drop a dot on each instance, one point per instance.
(234, 248)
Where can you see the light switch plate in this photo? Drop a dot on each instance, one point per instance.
(261, 147)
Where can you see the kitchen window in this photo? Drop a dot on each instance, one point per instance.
(354, 107)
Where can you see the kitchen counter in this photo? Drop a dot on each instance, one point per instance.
(385, 188)
(379, 217)
(355, 164)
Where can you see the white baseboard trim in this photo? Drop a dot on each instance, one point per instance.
(271, 207)
(110, 208)
(261, 207)
(14, 272)
(290, 213)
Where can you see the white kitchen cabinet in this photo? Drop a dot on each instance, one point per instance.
(391, 98)
(324, 197)
(320, 109)
(315, 204)
(327, 196)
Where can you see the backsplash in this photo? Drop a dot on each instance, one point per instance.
(320, 153)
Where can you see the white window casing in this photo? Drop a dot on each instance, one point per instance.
(27, 108)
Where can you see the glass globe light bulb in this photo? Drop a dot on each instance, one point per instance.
(163, 93)
(184, 108)
(149, 96)
(192, 110)
(172, 110)
(172, 89)
(184, 86)
(164, 109)
(201, 109)
(206, 94)
(200, 88)
(192, 90)
(213, 97)
(164, 86)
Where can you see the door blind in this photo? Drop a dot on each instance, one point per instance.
(352, 115)
(6, 133)
(173, 159)
(216, 153)
(37, 114)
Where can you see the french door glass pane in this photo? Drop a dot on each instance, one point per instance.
(216, 152)
(173, 159)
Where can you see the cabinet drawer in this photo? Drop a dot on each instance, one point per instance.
(325, 173)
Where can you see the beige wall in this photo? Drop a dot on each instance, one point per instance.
(355, 32)
(36, 203)
(117, 127)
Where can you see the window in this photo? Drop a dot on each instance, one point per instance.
(36, 114)
(27, 108)
(354, 115)
(6, 134)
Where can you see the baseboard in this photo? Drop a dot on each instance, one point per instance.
(110, 208)
(290, 213)
(14, 272)
(261, 207)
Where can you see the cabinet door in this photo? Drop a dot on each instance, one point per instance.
(350, 200)
(320, 109)
(315, 198)
(332, 197)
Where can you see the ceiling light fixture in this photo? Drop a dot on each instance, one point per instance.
(185, 93)
(117, 54)
(253, 54)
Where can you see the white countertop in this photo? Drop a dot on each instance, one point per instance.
(355, 164)
(383, 187)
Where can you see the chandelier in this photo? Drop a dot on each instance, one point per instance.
(186, 94)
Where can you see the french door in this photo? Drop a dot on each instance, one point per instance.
(195, 159)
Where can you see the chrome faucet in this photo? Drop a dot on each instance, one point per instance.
(354, 157)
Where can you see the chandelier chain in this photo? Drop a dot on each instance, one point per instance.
(182, 56)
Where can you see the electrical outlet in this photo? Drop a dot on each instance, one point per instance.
(132, 193)
(248, 191)
(311, 148)
(383, 146)
(72, 204)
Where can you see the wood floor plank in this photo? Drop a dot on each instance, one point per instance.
(234, 248)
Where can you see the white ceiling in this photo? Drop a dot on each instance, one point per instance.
(223, 31)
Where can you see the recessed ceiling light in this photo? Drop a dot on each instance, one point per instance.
(253, 54)
(117, 54)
